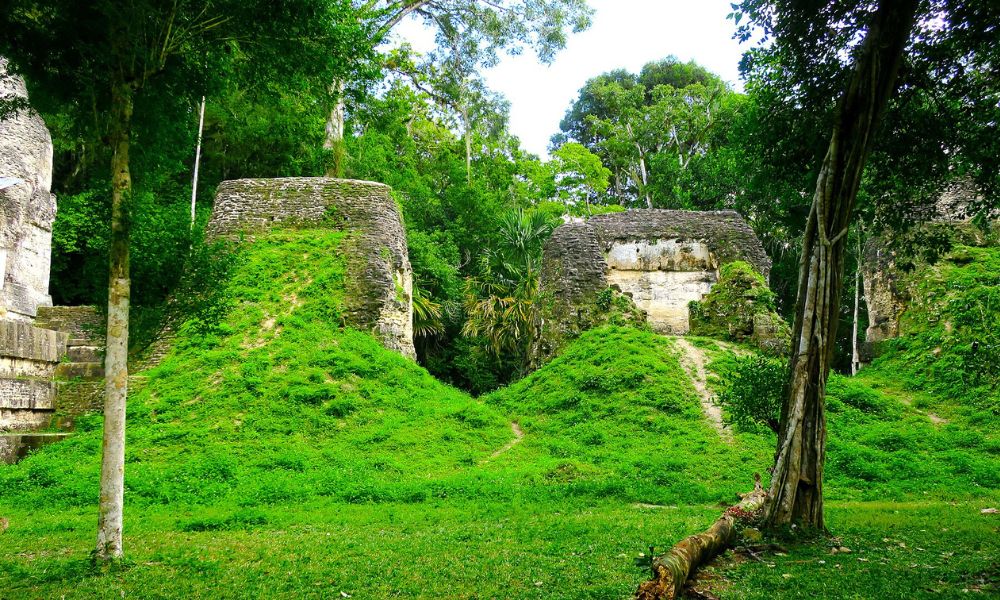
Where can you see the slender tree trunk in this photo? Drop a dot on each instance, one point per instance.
(335, 125)
(197, 161)
(796, 492)
(855, 350)
(468, 142)
(645, 180)
(109, 524)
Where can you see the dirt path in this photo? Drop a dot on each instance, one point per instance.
(933, 417)
(518, 436)
(693, 360)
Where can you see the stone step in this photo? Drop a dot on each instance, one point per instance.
(80, 370)
(15, 446)
(12, 420)
(22, 340)
(85, 354)
(84, 324)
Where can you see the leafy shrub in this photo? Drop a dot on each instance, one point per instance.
(753, 393)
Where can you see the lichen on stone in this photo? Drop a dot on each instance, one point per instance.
(740, 308)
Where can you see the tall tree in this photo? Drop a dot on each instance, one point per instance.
(105, 55)
(796, 491)
(470, 34)
(652, 128)
(810, 51)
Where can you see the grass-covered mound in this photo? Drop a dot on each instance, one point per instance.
(617, 414)
(949, 344)
(878, 448)
(275, 403)
(275, 454)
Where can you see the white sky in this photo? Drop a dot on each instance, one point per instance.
(625, 34)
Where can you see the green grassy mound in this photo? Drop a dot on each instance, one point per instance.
(276, 403)
(276, 454)
(949, 347)
(879, 448)
(616, 413)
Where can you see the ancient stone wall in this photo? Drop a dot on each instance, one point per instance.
(885, 289)
(379, 278)
(661, 259)
(29, 357)
(27, 207)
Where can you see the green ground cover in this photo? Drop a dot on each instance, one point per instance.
(275, 454)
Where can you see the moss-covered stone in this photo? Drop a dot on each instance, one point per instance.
(741, 307)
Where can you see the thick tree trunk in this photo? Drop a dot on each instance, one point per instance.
(796, 492)
(335, 124)
(673, 569)
(109, 525)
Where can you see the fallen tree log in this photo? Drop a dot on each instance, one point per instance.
(672, 570)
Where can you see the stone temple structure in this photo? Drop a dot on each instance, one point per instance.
(27, 207)
(661, 259)
(379, 279)
(29, 355)
(886, 294)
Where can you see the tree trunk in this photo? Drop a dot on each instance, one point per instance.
(468, 142)
(855, 350)
(672, 570)
(109, 524)
(335, 131)
(197, 161)
(796, 492)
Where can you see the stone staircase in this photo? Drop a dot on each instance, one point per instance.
(79, 378)
(50, 373)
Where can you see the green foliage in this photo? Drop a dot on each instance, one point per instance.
(580, 176)
(737, 309)
(500, 302)
(949, 343)
(753, 391)
(663, 134)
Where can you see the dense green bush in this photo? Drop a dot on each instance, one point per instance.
(752, 392)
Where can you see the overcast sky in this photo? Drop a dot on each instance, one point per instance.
(625, 34)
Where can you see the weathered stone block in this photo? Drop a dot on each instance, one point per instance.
(661, 259)
(379, 278)
(19, 339)
(27, 394)
(27, 207)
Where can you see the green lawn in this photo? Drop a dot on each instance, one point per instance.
(487, 550)
(274, 454)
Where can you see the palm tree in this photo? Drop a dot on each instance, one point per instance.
(500, 301)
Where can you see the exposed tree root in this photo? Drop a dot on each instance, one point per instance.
(673, 569)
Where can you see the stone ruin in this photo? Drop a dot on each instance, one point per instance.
(28, 354)
(34, 353)
(27, 207)
(660, 259)
(379, 280)
(885, 293)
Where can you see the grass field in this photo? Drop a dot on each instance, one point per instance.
(274, 454)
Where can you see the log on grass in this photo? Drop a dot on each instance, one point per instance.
(672, 570)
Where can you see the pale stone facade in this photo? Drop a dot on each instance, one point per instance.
(27, 207)
(662, 277)
(661, 259)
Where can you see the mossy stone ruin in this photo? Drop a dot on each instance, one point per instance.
(660, 259)
(379, 280)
